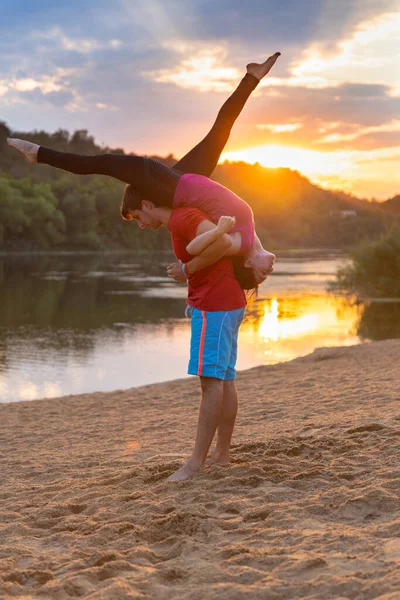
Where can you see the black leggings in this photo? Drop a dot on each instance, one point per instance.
(151, 179)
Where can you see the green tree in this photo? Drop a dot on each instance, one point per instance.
(374, 271)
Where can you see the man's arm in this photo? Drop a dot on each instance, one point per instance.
(213, 252)
(209, 234)
(209, 256)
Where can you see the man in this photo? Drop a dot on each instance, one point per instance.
(217, 304)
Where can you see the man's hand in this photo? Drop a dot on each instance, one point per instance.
(174, 270)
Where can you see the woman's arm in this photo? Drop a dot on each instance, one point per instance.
(208, 233)
(212, 253)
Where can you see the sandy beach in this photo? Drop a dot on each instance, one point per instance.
(309, 508)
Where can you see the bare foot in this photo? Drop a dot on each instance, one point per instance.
(28, 150)
(184, 473)
(259, 70)
(218, 459)
(225, 224)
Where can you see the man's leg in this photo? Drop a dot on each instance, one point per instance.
(209, 416)
(221, 454)
(230, 405)
(203, 158)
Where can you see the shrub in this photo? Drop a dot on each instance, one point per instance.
(374, 270)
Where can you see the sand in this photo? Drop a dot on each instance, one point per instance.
(309, 508)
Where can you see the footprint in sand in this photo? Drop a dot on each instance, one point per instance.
(370, 505)
(391, 549)
(366, 428)
(304, 569)
(258, 515)
(29, 577)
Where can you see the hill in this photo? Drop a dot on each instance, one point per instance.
(83, 212)
(393, 204)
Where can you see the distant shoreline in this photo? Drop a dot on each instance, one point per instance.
(281, 251)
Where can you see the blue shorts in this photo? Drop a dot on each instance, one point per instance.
(213, 345)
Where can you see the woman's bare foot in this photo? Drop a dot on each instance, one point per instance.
(185, 472)
(260, 70)
(28, 150)
(225, 224)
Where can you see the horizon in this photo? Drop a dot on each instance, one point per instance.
(328, 109)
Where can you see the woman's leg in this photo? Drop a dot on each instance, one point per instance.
(203, 158)
(153, 180)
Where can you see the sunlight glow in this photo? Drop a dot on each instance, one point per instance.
(280, 128)
(132, 447)
(283, 328)
(273, 328)
(28, 391)
(368, 173)
(309, 162)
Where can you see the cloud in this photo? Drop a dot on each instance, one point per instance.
(370, 55)
(151, 76)
(81, 45)
(202, 71)
(290, 127)
(390, 127)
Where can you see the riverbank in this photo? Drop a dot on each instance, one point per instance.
(309, 508)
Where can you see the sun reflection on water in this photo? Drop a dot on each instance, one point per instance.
(279, 329)
(271, 327)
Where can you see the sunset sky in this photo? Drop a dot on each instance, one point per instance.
(150, 76)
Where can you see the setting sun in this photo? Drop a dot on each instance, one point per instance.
(320, 167)
(349, 170)
(309, 162)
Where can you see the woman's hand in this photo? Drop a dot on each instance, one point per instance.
(174, 270)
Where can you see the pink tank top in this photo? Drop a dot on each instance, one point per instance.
(197, 191)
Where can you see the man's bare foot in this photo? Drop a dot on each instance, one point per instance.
(185, 472)
(225, 224)
(218, 459)
(259, 70)
(28, 150)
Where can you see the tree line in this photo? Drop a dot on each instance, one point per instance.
(48, 209)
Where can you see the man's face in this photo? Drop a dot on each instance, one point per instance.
(146, 217)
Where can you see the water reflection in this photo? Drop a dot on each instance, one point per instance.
(379, 321)
(280, 329)
(74, 324)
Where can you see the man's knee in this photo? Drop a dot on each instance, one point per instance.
(210, 384)
(230, 385)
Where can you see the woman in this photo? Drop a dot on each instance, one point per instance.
(187, 184)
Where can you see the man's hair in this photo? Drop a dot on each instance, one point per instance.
(131, 200)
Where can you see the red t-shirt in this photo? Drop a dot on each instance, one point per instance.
(211, 289)
(197, 191)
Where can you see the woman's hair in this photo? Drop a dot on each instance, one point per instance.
(245, 277)
(131, 200)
